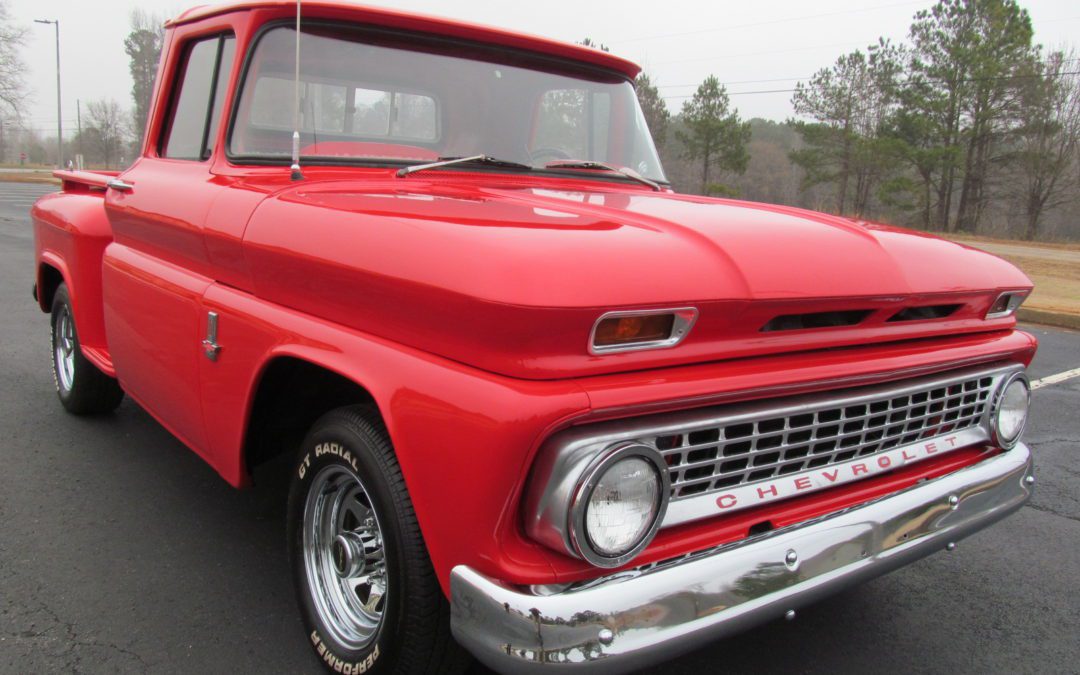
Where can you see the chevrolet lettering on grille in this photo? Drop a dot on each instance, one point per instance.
(753, 495)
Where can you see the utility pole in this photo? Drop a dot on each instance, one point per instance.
(78, 138)
(59, 122)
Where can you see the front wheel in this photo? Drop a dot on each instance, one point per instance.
(367, 592)
(82, 388)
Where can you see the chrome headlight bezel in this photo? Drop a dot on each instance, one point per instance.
(995, 410)
(587, 482)
(560, 485)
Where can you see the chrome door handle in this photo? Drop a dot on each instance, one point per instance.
(210, 345)
(119, 185)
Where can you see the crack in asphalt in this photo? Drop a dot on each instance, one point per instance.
(1048, 441)
(1047, 509)
(57, 629)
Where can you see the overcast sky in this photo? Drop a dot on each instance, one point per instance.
(755, 48)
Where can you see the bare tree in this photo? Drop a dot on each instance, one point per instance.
(106, 127)
(12, 85)
(1048, 139)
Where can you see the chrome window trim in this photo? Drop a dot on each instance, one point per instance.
(564, 457)
(1016, 299)
(685, 318)
(995, 408)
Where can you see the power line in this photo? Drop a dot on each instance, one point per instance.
(696, 84)
(769, 52)
(809, 77)
(769, 22)
(737, 93)
(964, 81)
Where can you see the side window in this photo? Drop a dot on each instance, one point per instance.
(325, 109)
(228, 51)
(371, 112)
(322, 105)
(199, 96)
(273, 104)
(414, 117)
(562, 123)
(575, 122)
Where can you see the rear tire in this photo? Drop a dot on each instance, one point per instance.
(82, 388)
(368, 595)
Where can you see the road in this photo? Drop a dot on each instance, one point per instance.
(1069, 256)
(120, 551)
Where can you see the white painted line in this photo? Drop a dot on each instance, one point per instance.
(1054, 379)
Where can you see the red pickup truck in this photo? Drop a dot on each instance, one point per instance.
(541, 406)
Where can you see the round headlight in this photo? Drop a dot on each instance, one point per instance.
(620, 504)
(1011, 411)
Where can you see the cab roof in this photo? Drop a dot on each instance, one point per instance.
(381, 16)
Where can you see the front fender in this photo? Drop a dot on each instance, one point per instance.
(464, 438)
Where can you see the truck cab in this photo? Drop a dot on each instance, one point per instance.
(541, 408)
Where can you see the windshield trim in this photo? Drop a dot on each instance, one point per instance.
(388, 163)
(362, 29)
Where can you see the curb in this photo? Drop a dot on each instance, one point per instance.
(1046, 318)
(45, 179)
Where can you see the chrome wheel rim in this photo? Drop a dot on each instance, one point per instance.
(64, 348)
(343, 557)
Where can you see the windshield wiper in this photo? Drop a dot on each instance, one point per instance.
(589, 164)
(450, 161)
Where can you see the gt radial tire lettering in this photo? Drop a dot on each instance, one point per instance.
(340, 665)
(335, 449)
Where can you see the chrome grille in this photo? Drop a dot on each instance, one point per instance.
(747, 448)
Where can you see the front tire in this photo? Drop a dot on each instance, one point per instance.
(366, 589)
(82, 388)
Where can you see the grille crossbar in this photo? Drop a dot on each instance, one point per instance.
(749, 448)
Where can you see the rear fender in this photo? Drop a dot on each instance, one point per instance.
(71, 232)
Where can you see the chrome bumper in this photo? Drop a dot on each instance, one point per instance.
(635, 619)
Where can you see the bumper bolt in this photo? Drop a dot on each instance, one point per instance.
(792, 557)
(953, 501)
(789, 615)
(606, 636)
(951, 546)
(1030, 480)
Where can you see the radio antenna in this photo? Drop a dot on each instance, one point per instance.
(295, 172)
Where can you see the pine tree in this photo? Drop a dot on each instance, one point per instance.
(653, 107)
(714, 134)
(143, 47)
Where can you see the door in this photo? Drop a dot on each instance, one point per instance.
(157, 269)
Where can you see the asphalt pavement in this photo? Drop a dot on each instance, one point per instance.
(121, 551)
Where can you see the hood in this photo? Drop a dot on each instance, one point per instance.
(511, 278)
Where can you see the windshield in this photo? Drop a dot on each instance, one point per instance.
(376, 97)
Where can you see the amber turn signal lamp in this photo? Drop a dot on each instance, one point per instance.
(650, 329)
(619, 330)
